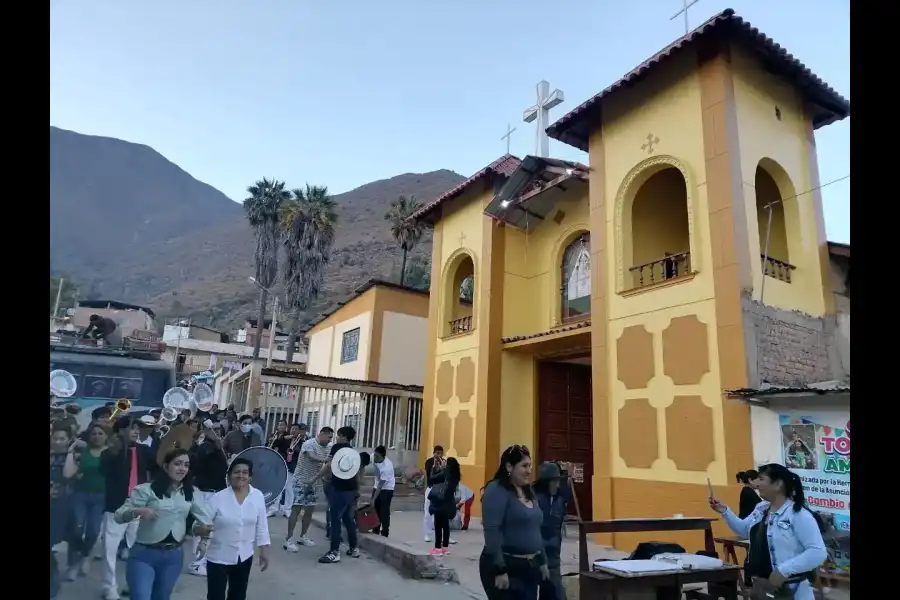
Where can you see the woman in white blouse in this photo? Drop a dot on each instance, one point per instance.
(240, 523)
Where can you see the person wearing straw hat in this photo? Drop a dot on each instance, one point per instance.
(344, 466)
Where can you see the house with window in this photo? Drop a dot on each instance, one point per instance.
(616, 301)
(378, 334)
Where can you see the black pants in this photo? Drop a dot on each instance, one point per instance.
(524, 578)
(553, 589)
(383, 510)
(233, 577)
(441, 531)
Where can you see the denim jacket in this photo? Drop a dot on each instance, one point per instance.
(795, 542)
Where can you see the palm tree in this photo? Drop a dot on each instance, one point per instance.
(307, 227)
(263, 208)
(407, 232)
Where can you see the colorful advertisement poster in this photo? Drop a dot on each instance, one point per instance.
(820, 455)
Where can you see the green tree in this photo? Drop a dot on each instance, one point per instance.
(263, 207)
(418, 273)
(406, 231)
(307, 233)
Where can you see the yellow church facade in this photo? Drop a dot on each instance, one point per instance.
(596, 313)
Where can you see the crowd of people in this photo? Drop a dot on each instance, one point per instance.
(114, 484)
(118, 487)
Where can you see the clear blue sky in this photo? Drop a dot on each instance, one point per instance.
(343, 92)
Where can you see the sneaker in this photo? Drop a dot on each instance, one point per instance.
(436, 552)
(111, 594)
(331, 557)
(71, 574)
(286, 513)
(427, 538)
(271, 511)
(198, 570)
(452, 541)
(445, 551)
(353, 552)
(124, 554)
(306, 541)
(85, 567)
(291, 546)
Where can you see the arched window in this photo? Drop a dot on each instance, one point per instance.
(460, 296)
(576, 279)
(769, 204)
(660, 229)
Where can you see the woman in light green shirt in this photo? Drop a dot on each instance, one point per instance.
(163, 506)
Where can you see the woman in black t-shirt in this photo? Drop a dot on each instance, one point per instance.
(749, 497)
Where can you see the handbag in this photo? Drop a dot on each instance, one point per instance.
(367, 519)
(437, 493)
(763, 590)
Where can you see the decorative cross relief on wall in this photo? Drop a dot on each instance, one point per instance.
(652, 140)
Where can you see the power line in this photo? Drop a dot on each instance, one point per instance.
(818, 187)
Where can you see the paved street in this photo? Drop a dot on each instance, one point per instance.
(296, 576)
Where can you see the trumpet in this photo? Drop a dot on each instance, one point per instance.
(167, 415)
(121, 406)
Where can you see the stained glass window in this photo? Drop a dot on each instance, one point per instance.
(576, 279)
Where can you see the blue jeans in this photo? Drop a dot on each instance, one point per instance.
(340, 509)
(151, 573)
(87, 516)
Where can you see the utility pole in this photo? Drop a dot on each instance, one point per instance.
(272, 329)
(59, 290)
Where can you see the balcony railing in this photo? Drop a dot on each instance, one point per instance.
(461, 325)
(381, 414)
(662, 269)
(777, 269)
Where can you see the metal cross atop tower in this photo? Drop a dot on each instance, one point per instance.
(540, 113)
(509, 132)
(686, 4)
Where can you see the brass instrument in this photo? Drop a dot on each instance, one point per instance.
(167, 415)
(122, 405)
(179, 436)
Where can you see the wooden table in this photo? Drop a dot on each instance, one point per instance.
(721, 583)
(730, 543)
(598, 585)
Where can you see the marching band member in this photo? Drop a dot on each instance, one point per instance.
(242, 438)
(162, 506)
(239, 518)
(125, 464)
(279, 442)
(208, 464)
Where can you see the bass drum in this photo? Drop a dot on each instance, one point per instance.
(270, 472)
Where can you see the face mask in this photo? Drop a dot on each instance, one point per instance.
(245, 428)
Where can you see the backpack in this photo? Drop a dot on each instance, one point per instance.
(647, 550)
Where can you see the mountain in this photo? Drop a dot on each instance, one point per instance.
(133, 226)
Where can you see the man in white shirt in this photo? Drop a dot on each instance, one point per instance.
(313, 454)
(384, 490)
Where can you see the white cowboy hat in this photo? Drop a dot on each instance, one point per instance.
(148, 420)
(345, 463)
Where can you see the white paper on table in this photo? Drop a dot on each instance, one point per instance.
(636, 566)
(689, 561)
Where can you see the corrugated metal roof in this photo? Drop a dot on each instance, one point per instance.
(503, 166)
(533, 170)
(820, 389)
(831, 106)
(272, 372)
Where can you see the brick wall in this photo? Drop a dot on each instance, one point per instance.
(790, 348)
